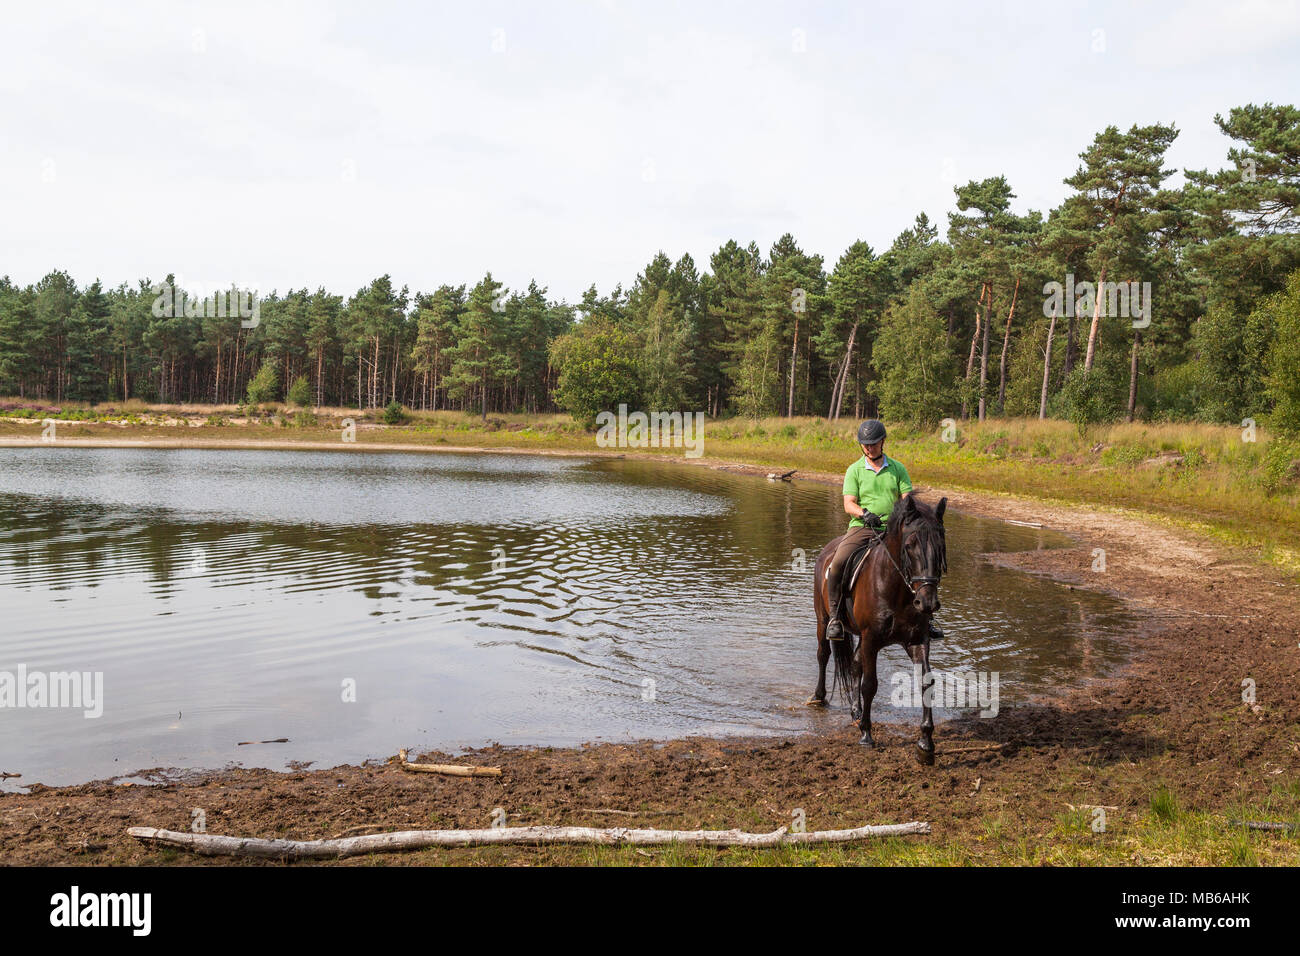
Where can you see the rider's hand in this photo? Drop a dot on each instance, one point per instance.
(871, 520)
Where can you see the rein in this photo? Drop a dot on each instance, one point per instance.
(908, 579)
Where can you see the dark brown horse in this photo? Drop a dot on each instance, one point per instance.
(893, 602)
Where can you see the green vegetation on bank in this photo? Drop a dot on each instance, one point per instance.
(1208, 478)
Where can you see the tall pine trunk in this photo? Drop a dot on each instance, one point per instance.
(984, 356)
(1071, 351)
(1002, 362)
(1096, 324)
(970, 358)
(1047, 367)
(216, 379)
(837, 396)
(1133, 375)
(794, 364)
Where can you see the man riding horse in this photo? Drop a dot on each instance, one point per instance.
(872, 486)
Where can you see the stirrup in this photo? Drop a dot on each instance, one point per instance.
(834, 622)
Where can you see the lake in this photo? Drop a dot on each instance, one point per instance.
(356, 603)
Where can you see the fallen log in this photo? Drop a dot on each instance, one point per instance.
(448, 769)
(210, 844)
(970, 750)
(1266, 825)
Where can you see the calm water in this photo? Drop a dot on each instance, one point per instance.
(232, 596)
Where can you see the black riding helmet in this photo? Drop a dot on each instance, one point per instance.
(870, 432)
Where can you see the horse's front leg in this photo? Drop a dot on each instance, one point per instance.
(867, 687)
(920, 654)
(818, 699)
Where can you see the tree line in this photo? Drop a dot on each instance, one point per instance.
(1170, 303)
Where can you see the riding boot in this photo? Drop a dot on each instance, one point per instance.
(834, 629)
(935, 633)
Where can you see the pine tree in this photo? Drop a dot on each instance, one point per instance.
(437, 318)
(479, 359)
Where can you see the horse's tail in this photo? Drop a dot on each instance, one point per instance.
(842, 652)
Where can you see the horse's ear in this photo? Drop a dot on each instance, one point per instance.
(909, 504)
(939, 509)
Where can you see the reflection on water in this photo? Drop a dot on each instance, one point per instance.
(234, 595)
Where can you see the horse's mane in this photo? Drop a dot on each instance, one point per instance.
(923, 520)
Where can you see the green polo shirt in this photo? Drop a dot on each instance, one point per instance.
(876, 493)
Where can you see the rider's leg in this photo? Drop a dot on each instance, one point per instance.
(835, 630)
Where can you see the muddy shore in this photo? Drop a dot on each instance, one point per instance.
(1174, 717)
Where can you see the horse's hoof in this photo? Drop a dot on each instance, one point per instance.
(815, 701)
(866, 741)
(923, 756)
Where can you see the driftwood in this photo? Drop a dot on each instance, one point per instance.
(1266, 825)
(209, 844)
(785, 477)
(980, 748)
(448, 769)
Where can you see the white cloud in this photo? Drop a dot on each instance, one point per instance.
(316, 144)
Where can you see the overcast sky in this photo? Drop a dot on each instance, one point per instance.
(289, 145)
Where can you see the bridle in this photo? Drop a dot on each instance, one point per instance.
(909, 580)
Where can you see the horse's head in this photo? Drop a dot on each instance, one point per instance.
(922, 551)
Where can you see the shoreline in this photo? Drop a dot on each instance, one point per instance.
(1156, 720)
(998, 505)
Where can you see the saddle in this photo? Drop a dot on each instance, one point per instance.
(852, 568)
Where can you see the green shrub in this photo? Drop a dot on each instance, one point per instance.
(598, 370)
(266, 383)
(1178, 392)
(1283, 384)
(1087, 399)
(300, 392)
(1128, 455)
(1280, 464)
(393, 413)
